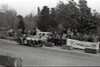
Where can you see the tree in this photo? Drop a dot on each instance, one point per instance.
(2, 19)
(21, 24)
(38, 10)
(44, 24)
(47, 21)
(30, 21)
(76, 16)
(85, 15)
(67, 14)
(8, 17)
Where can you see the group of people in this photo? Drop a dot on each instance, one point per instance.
(81, 36)
(77, 36)
(69, 34)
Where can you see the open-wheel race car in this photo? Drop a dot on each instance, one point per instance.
(30, 41)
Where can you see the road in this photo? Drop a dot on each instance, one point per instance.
(47, 56)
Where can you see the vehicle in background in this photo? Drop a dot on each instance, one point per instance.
(44, 35)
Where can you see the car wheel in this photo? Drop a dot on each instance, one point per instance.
(33, 43)
(19, 41)
(25, 42)
(40, 45)
(30, 43)
(36, 44)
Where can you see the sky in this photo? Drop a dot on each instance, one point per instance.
(25, 7)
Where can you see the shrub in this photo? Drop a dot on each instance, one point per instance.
(8, 61)
(2, 37)
(67, 47)
(49, 44)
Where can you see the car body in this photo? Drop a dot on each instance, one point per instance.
(30, 41)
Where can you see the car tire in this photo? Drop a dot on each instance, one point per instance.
(40, 45)
(19, 41)
(33, 43)
(30, 43)
(25, 42)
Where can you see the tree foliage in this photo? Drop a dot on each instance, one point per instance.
(7, 17)
(21, 24)
(30, 21)
(69, 15)
(65, 15)
(46, 22)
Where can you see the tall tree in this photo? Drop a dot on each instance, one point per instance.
(21, 24)
(67, 14)
(38, 9)
(47, 21)
(44, 17)
(85, 15)
(8, 16)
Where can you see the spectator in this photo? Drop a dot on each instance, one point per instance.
(96, 39)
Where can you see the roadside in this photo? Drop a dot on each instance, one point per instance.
(8, 41)
(36, 56)
(57, 48)
(77, 51)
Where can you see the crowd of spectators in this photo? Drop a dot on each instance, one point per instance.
(72, 34)
(81, 36)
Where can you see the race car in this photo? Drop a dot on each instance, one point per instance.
(30, 41)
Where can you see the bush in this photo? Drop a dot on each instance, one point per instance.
(49, 44)
(67, 47)
(93, 51)
(99, 51)
(8, 61)
(2, 37)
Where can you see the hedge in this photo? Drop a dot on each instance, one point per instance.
(67, 47)
(8, 61)
(49, 44)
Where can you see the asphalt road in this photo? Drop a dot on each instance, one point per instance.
(48, 56)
